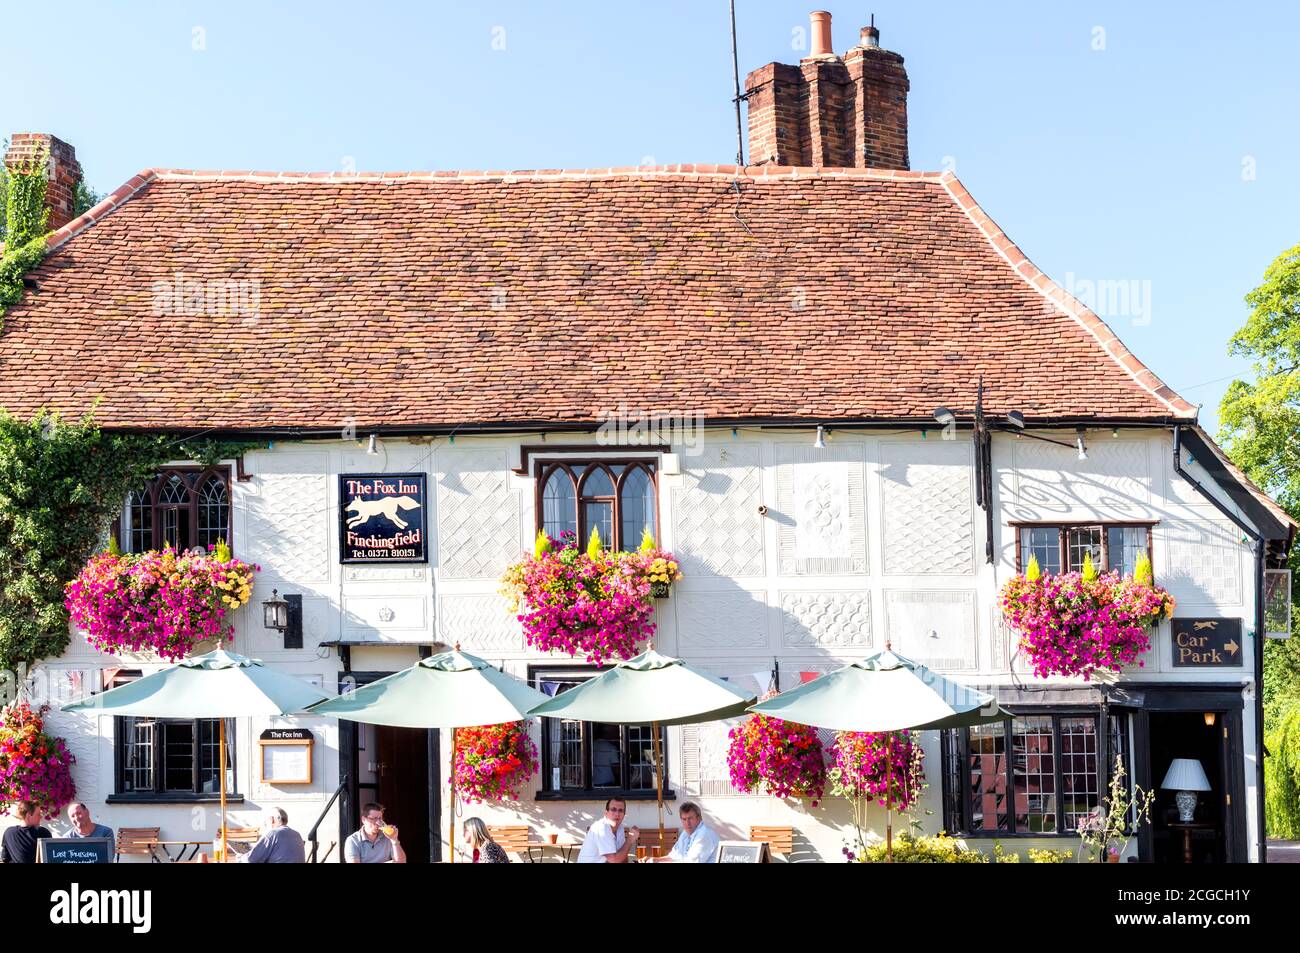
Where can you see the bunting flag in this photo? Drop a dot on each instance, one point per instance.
(805, 677)
(549, 688)
(764, 680)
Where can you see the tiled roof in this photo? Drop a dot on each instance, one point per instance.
(493, 298)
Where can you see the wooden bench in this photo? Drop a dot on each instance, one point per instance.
(650, 838)
(138, 842)
(780, 840)
(512, 838)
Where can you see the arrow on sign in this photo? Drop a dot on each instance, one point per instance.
(1231, 647)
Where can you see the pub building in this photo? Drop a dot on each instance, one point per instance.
(866, 409)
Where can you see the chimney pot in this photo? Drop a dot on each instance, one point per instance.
(871, 36)
(821, 35)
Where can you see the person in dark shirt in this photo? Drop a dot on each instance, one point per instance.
(19, 843)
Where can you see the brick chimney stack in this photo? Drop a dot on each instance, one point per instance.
(830, 111)
(62, 168)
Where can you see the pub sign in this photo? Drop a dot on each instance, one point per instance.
(383, 518)
(1207, 643)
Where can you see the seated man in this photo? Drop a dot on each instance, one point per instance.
(83, 826)
(696, 842)
(376, 842)
(281, 844)
(606, 841)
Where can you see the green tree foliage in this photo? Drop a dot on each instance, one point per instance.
(1261, 433)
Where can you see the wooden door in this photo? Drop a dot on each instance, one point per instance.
(404, 786)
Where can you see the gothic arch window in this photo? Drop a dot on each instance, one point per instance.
(183, 508)
(617, 497)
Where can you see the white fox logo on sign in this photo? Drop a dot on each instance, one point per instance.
(387, 507)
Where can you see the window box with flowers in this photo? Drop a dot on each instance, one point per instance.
(1082, 623)
(160, 601)
(595, 601)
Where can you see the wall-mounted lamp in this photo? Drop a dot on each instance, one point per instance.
(275, 612)
(1209, 719)
(372, 448)
(820, 442)
(1080, 444)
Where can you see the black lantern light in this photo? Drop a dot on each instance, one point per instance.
(276, 612)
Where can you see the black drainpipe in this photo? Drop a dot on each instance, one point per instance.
(1259, 635)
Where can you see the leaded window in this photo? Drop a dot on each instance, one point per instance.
(618, 498)
(181, 508)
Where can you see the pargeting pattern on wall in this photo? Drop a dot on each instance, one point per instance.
(287, 518)
(1202, 562)
(478, 514)
(1051, 481)
(826, 619)
(717, 529)
(716, 620)
(934, 627)
(821, 509)
(480, 623)
(926, 499)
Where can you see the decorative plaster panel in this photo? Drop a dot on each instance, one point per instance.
(378, 615)
(826, 619)
(717, 529)
(478, 514)
(716, 620)
(934, 627)
(1202, 562)
(288, 518)
(821, 509)
(1052, 481)
(926, 503)
(480, 623)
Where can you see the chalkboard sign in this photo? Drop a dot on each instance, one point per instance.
(383, 518)
(1207, 643)
(743, 852)
(74, 850)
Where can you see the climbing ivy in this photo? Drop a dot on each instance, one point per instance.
(61, 484)
(25, 220)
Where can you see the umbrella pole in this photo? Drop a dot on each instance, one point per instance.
(889, 797)
(221, 769)
(452, 858)
(659, 782)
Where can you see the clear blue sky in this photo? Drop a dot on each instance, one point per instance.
(1131, 162)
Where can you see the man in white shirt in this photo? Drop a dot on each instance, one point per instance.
(606, 841)
(696, 842)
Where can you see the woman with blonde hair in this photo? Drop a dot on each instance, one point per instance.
(486, 850)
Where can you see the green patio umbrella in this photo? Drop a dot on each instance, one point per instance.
(217, 685)
(883, 693)
(451, 690)
(650, 688)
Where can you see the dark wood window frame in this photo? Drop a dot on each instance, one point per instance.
(544, 468)
(543, 673)
(159, 794)
(194, 479)
(1063, 532)
(955, 743)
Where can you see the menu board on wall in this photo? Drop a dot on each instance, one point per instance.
(383, 518)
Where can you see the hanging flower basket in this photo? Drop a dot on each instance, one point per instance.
(783, 758)
(594, 602)
(875, 766)
(494, 762)
(34, 766)
(160, 601)
(1081, 623)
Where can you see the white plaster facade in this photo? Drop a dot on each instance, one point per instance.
(877, 538)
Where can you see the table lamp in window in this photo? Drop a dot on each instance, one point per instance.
(1185, 777)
